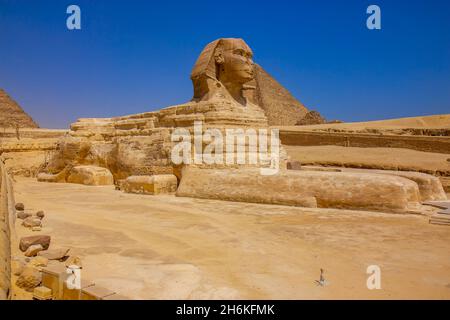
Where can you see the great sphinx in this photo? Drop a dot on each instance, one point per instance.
(138, 148)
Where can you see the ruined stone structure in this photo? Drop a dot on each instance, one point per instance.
(141, 144)
(229, 93)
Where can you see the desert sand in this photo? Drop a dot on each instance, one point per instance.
(167, 247)
(421, 122)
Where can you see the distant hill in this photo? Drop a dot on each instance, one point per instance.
(11, 114)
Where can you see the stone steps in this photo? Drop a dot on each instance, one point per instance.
(441, 219)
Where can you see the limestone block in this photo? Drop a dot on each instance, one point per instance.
(42, 293)
(75, 294)
(23, 215)
(26, 242)
(156, 184)
(53, 278)
(297, 188)
(430, 187)
(29, 279)
(91, 176)
(38, 262)
(32, 222)
(33, 250)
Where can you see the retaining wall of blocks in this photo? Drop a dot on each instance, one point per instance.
(361, 140)
(7, 220)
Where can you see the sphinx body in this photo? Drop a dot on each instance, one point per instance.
(224, 97)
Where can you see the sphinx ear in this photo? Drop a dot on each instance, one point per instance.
(218, 56)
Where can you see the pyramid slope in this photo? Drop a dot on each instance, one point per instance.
(11, 114)
(280, 107)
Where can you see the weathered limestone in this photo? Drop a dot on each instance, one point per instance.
(33, 250)
(23, 215)
(430, 187)
(26, 242)
(157, 184)
(91, 176)
(32, 222)
(303, 188)
(38, 262)
(42, 293)
(29, 279)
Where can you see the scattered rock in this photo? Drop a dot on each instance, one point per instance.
(23, 215)
(17, 267)
(29, 279)
(91, 176)
(40, 214)
(33, 250)
(32, 222)
(26, 242)
(38, 262)
(20, 206)
(74, 261)
(55, 254)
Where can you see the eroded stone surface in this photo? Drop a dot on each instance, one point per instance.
(29, 279)
(298, 188)
(33, 250)
(91, 176)
(26, 242)
(157, 184)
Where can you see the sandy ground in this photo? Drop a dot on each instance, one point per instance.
(383, 158)
(164, 247)
(422, 122)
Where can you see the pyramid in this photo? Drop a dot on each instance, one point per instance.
(11, 114)
(280, 107)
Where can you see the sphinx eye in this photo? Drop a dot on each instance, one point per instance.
(240, 52)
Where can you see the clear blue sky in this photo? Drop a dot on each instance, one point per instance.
(136, 56)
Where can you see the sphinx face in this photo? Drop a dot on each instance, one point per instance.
(236, 65)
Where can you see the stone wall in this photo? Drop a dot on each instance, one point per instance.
(7, 216)
(420, 143)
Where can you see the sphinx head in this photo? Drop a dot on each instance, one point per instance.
(224, 67)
